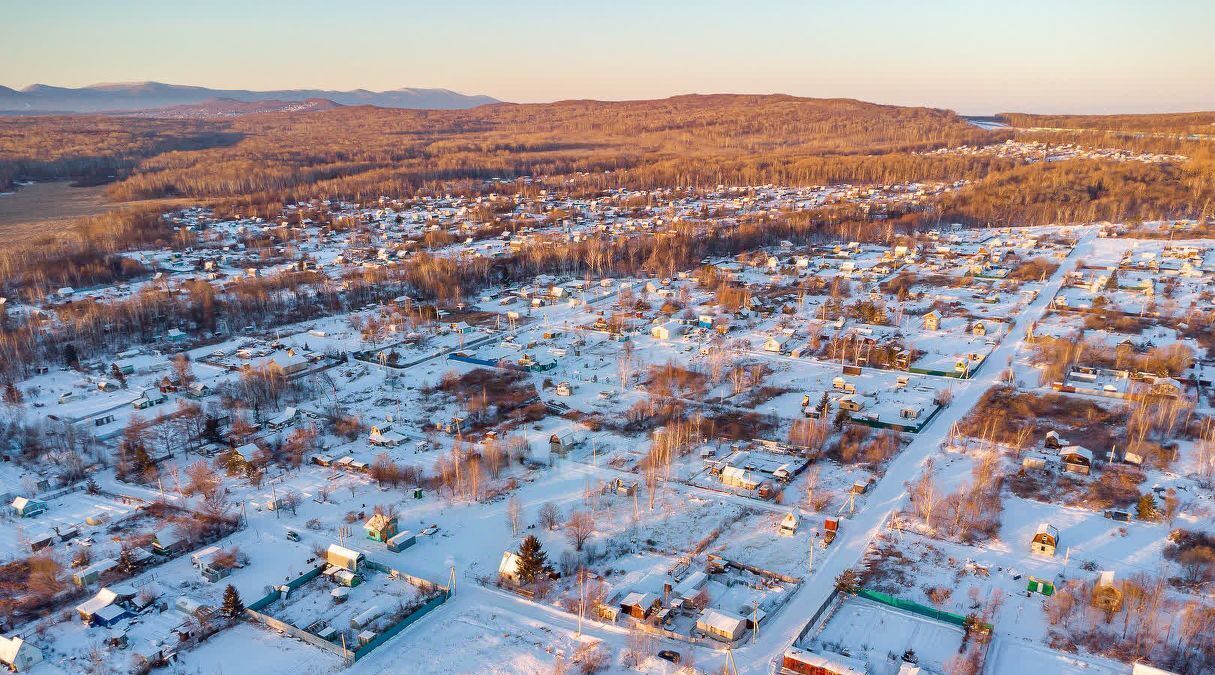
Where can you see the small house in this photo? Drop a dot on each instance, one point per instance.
(383, 435)
(640, 605)
(167, 541)
(810, 663)
(932, 320)
(666, 331)
(851, 404)
(148, 399)
(508, 569)
(739, 477)
(562, 442)
(1076, 459)
(92, 573)
(788, 525)
(213, 563)
(564, 389)
(1053, 441)
(340, 556)
(283, 419)
(721, 625)
(106, 608)
(979, 329)
(18, 654)
(778, 344)
(1046, 540)
(28, 508)
(381, 527)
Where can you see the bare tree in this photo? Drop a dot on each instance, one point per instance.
(550, 516)
(579, 527)
(513, 514)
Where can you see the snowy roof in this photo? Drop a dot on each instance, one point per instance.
(834, 663)
(104, 598)
(639, 599)
(22, 502)
(721, 620)
(509, 565)
(377, 522)
(167, 536)
(283, 418)
(1076, 450)
(10, 647)
(246, 451)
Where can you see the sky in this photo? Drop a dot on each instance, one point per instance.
(973, 56)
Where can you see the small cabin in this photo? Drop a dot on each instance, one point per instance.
(778, 344)
(1076, 459)
(1053, 441)
(28, 508)
(381, 527)
(1046, 540)
(721, 625)
(788, 525)
(383, 436)
(850, 404)
(979, 329)
(640, 605)
(18, 654)
(562, 442)
(932, 320)
(508, 569)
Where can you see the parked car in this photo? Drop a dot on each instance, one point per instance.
(670, 655)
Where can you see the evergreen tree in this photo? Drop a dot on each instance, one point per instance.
(824, 406)
(847, 582)
(70, 356)
(232, 606)
(1147, 507)
(533, 561)
(126, 562)
(116, 373)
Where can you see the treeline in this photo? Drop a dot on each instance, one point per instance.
(1084, 190)
(687, 140)
(85, 253)
(91, 149)
(1192, 122)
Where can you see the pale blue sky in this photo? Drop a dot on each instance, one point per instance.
(974, 56)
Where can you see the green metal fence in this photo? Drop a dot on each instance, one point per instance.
(913, 607)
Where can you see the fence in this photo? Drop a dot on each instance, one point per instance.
(314, 640)
(907, 428)
(915, 608)
(402, 624)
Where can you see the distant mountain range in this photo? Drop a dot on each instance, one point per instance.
(138, 96)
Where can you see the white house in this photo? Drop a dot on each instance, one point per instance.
(18, 654)
(721, 625)
(666, 331)
(508, 569)
(385, 436)
(778, 344)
